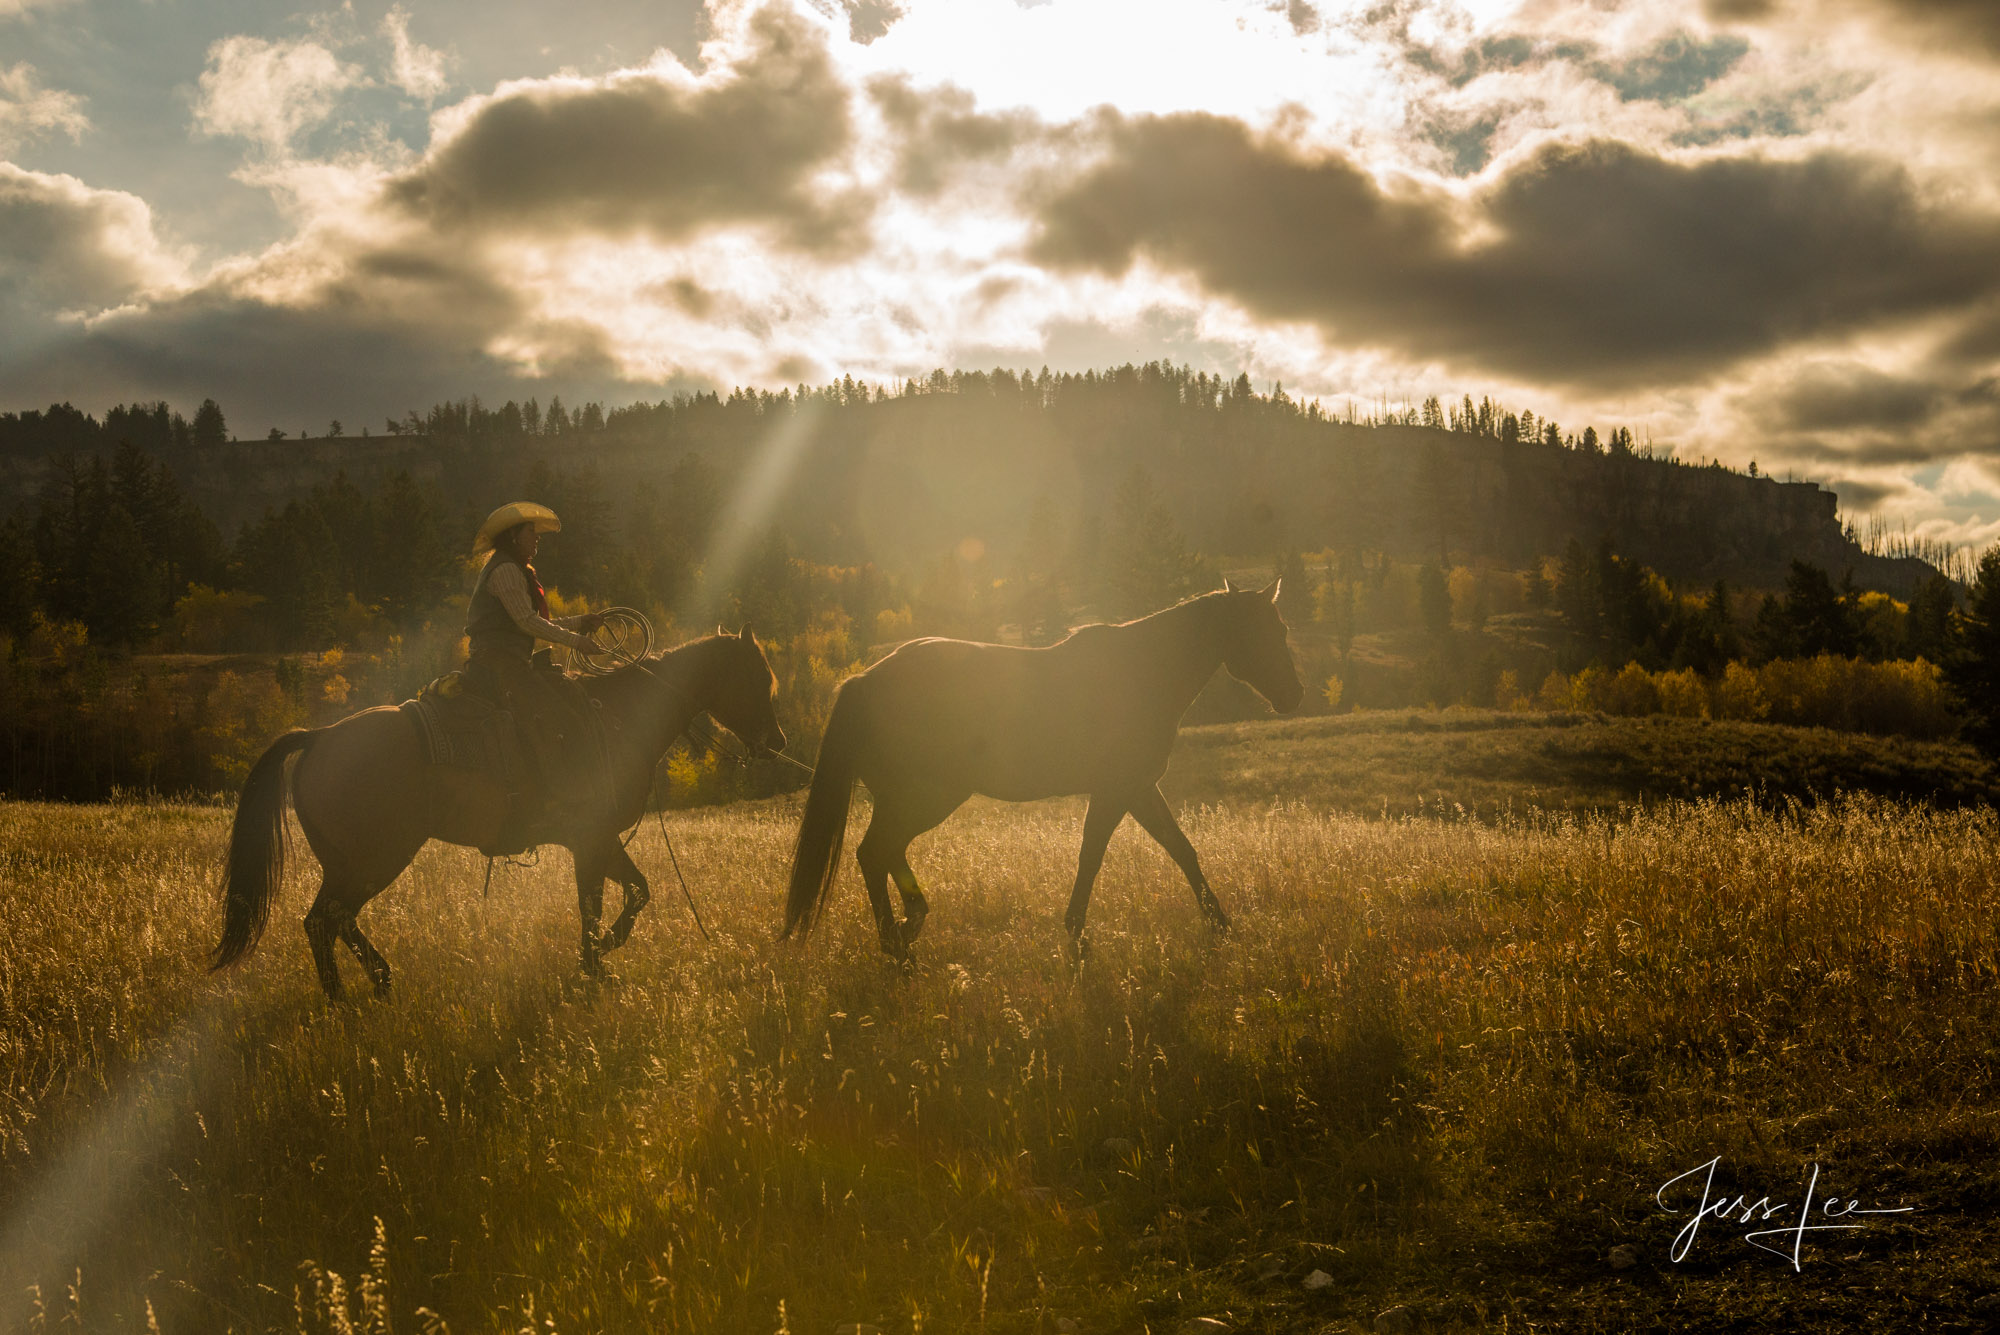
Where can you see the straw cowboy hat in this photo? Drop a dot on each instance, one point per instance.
(512, 515)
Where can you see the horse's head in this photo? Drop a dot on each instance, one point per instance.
(744, 695)
(1255, 650)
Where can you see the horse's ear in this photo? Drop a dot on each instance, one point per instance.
(719, 630)
(1277, 585)
(745, 634)
(1228, 585)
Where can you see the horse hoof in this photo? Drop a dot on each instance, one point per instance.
(913, 925)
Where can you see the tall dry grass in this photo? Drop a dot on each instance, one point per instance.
(1428, 1046)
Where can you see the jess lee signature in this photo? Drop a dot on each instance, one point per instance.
(1746, 1211)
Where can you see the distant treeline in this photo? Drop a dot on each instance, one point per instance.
(895, 474)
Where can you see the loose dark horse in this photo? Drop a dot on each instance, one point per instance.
(368, 800)
(939, 720)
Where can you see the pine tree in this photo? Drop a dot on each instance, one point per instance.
(1929, 631)
(1434, 601)
(1147, 562)
(210, 429)
(1974, 669)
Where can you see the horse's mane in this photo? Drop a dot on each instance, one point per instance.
(1089, 627)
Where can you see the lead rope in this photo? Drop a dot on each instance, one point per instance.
(673, 857)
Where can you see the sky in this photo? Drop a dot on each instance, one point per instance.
(1755, 230)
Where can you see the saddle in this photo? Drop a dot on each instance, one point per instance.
(461, 729)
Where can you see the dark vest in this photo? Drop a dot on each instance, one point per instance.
(492, 632)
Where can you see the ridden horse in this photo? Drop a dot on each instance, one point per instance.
(368, 800)
(939, 720)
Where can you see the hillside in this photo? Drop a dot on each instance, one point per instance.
(1018, 465)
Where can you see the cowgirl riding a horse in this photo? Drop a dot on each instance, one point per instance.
(508, 615)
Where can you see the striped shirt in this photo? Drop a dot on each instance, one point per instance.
(507, 583)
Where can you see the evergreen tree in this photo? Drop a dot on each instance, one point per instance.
(17, 590)
(1821, 618)
(210, 429)
(414, 563)
(1974, 669)
(1296, 594)
(289, 557)
(123, 593)
(1434, 601)
(1928, 631)
(1147, 562)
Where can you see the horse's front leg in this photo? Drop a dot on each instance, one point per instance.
(1098, 825)
(590, 866)
(1150, 809)
(637, 894)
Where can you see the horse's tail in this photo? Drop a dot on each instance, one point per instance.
(816, 859)
(256, 850)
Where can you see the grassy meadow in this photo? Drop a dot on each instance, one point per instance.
(1444, 1061)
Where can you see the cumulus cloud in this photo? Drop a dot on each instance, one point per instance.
(657, 152)
(67, 247)
(941, 131)
(270, 92)
(1588, 264)
(29, 111)
(417, 69)
(10, 9)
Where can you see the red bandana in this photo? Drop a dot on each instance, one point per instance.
(535, 591)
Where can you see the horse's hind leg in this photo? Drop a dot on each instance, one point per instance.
(343, 893)
(323, 924)
(333, 918)
(876, 858)
(884, 853)
(371, 959)
(1152, 812)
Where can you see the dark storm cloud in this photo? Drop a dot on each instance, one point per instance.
(1594, 264)
(1843, 395)
(1852, 413)
(1953, 22)
(648, 154)
(396, 330)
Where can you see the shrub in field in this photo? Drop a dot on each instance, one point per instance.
(1554, 694)
(243, 715)
(1737, 694)
(1682, 694)
(1834, 692)
(1907, 698)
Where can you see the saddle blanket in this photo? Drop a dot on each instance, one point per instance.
(461, 730)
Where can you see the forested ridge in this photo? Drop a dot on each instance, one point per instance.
(161, 565)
